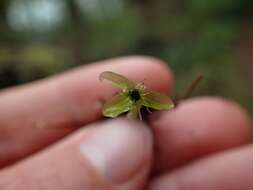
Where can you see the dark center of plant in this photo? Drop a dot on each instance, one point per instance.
(134, 95)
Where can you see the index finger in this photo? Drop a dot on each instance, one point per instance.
(70, 99)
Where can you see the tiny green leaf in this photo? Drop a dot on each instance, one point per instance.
(117, 105)
(116, 80)
(157, 100)
(132, 98)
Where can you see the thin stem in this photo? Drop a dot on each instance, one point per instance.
(192, 87)
(189, 90)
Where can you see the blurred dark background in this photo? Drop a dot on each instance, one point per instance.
(39, 38)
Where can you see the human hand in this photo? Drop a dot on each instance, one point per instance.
(116, 154)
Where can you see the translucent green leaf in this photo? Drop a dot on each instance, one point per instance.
(117, 105)
(156, 100)
(117, 80)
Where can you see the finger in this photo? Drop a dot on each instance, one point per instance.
(230, 170)
(196, 128)
(70, 99)
(115, 154)
(74, 97)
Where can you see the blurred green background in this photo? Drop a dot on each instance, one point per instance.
(39, 38)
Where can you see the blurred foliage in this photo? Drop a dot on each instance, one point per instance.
(43, 37)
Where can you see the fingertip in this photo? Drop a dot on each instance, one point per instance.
(226, 112)
(115, 154)
(209, 111)
(82, 87)
(198, 127)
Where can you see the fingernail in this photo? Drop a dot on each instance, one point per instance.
(118, 149)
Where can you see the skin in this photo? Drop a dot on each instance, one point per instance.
(53, 136)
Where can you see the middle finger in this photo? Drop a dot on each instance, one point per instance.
(196, 128)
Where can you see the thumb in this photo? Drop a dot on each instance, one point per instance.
(111, 155)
